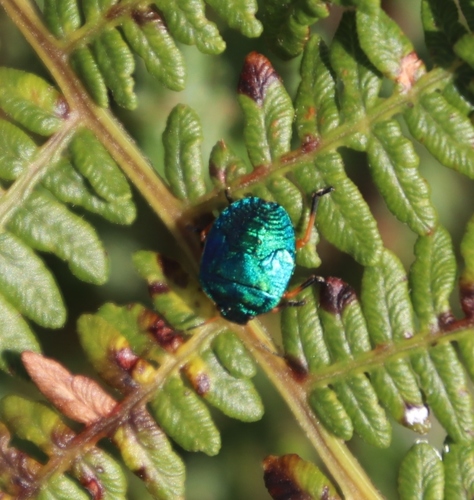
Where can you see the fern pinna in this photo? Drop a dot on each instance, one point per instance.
(348, 362)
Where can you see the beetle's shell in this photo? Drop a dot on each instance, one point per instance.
(248, 258)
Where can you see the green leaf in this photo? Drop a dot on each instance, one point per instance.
(421, 474)
(174, 295)
(239, 14)
(467, 10)
(16, 150)
(291, 477)
(464, 47)
(147, 452)
(235, 397)
(28, 285)
(187, 23)
(95, 163)
(302, 336)
(443, 131)
(148, 37)
(105, 346)
(287, 24)
(225, 166)
(458, 460)
(316, 108)
(394, 164)
(383, 41)
(344, 218)
(362, 81)
(467, 252)
(99, 468)
(15, 337)
(49, 226)
(182, 140)
(396, 386)
(444, 382)
(61, 488)
(268, 111)
(442, 28)
(389, 315)
(185, 417)
(331, 412)
(116, 64)
(62, 16)
(233, 356)
(32, 102)
(466, 348)
(432, 278)
(70, 187)
(386, 301)
(457, 95)
(361, 404)
(94, 8)
(35, 422)
(85, 65)
(346, 336)
(138, 325)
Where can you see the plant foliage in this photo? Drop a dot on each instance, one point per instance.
(350, 363)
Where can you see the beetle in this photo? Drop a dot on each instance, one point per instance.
(249, 257)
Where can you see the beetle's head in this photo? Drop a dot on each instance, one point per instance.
(235, 315)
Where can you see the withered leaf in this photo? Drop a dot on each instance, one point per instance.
(78, 397)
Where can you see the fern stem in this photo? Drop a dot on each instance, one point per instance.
(379, 357)
(26, 182)
(437, 78)
(345, 469)
(106, 128)
(62, 458)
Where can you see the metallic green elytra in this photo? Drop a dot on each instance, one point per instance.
(248, 258)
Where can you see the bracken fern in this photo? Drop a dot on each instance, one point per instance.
(348, 362)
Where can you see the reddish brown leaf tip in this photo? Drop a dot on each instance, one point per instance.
(298, 370)
(335, 295)
(200, 382)
(95, 488)
(467, 299)
(157, 288)
(166, 337)
(126, 359)
(146, 15)
(279, 478)
(256, 76)
(446, 319)
(411, 68)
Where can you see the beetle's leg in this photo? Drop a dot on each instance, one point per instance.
(204, 232)
(292, 293)
(288, 303)
(308, 282)
(301, 242)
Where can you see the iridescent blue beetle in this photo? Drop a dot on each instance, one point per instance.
(249, 258)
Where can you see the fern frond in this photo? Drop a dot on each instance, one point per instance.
(39, 219)
(348, 364)
(101, 47)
